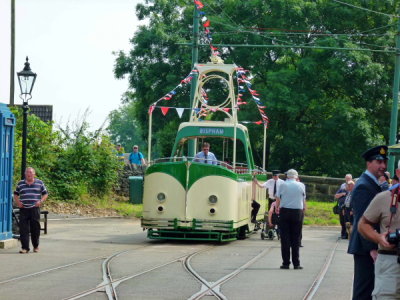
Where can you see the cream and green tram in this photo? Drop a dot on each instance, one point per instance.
(188, 200)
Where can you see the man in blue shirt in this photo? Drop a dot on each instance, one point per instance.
(290, 199)
(136, 158)
(206, 156)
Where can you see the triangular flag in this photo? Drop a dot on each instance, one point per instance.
(180, 110)
(207, 23)
(164, 110)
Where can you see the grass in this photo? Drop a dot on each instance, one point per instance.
(320, 213)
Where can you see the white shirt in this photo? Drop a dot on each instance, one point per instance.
(269, 184)
(207, 159)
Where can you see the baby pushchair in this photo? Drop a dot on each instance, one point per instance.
(270, 231)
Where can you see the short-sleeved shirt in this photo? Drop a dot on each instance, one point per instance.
(207, 159)
(136, 158)
(378, 212)
(292, 194)
(30, 194)
(269, 184)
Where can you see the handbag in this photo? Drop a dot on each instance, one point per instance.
(336, 209)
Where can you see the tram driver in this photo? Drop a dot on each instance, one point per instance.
(206, 156)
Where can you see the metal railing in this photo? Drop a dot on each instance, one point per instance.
(240, 168)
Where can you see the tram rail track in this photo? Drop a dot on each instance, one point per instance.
(115, 282)
(320, 277)
(214, 287)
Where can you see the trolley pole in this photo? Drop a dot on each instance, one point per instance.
(394, 115)
(195, 57)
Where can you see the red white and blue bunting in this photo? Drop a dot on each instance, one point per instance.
(242, 79)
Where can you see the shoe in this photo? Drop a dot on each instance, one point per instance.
(301, 246)
(344, 237)
(285, 267)
(23, 251)
(298, 267)
(36, 250)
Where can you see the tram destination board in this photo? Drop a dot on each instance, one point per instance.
(211, 130)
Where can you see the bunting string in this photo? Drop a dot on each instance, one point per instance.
(180, 110)
(244, 81)
(206, 24)
(173, 92)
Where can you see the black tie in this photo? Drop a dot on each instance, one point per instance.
(205, 156)
(274, 188)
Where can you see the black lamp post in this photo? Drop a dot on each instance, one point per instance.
(26, 80)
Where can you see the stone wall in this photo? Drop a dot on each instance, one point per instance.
(321, 188)
(122, 188)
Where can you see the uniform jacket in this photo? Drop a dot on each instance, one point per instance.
(363, 193)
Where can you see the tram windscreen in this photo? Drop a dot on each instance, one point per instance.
(221, 147)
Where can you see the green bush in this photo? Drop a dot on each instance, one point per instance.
(72, 162)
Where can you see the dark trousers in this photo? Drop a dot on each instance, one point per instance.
(364, 277)
(29, 222)
(343, 232)
(256, 207)
(270, 201)
(290, 225)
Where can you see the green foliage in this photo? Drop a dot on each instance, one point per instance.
(86, 165)
(72, 162)
(326, 106)
(42, 148)
(123, 128)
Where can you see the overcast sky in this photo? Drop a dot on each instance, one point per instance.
(69, 44)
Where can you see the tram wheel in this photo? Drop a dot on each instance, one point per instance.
(242, 233)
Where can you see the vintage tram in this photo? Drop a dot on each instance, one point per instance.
(192, 200)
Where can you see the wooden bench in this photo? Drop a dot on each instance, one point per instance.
(43, 219)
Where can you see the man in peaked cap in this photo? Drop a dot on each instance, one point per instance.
(367, 186)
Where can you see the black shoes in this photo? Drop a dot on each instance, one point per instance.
(298, 267)
(284, 267)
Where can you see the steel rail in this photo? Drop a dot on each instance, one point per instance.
(107, 278)
(51, 269)
(188, 268)
(116, 282)
(317, 281)
(214, 287)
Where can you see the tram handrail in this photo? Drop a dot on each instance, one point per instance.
(240, 168)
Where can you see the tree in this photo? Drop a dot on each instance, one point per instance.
(326, 106)
(123, 127)
(71, 161)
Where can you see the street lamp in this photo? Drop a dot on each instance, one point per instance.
(26, 80)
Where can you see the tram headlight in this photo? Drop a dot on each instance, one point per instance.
(161, 197)
(212, 199)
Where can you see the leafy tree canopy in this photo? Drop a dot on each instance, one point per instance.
(326, 106)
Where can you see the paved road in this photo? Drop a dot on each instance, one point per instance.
(76, 253)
